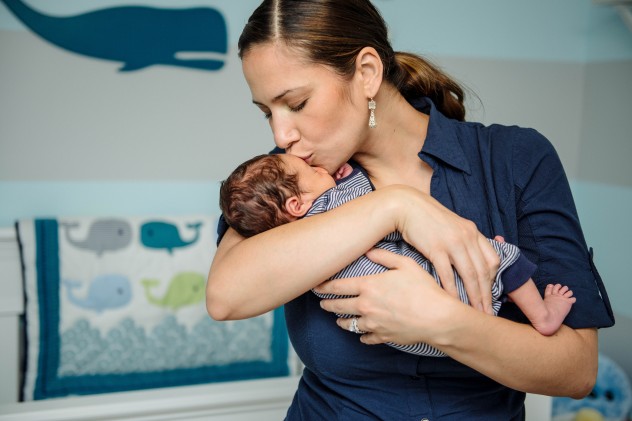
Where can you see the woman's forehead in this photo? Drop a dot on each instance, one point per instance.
(272, 70)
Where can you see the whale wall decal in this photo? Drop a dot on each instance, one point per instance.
(136, 36)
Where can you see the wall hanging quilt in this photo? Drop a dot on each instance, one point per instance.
(115, 304)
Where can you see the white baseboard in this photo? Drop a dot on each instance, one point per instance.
(263, 400)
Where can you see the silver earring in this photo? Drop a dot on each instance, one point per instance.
(372, 123)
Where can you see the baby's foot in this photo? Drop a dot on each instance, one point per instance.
(558, 301)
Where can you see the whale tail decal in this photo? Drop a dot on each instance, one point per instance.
(136, 36)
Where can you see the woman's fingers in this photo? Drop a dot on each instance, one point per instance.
(343, 286)
(348, 323)
(386, 258)
(444, 270)
(451, 243)
(488, 271)
(341, 305)
(390, 305)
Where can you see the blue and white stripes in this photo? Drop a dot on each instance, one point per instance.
(357, 184)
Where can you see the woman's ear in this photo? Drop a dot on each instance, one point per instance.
(296, 207)
(369, 66)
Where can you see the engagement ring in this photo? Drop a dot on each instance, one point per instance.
(353, 327)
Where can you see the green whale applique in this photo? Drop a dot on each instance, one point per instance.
(185, 289)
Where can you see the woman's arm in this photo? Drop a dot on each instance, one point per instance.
(567, 367)
(513, 354)
(251, 276)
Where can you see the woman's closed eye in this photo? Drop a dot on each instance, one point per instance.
(299, 107)
(267, 114)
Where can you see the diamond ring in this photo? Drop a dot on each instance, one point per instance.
(353, 327)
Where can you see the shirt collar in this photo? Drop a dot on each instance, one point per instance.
(441, 141)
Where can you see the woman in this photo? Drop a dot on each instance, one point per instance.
(326, 77)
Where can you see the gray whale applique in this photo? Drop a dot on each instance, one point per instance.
(136, 36)
(103, 235)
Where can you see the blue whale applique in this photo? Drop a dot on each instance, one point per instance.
(107, 291)
(103, 235)
(165, 235)
(136, 36)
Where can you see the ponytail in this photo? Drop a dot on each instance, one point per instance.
(415, 77)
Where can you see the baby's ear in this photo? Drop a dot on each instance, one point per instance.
(296, 207)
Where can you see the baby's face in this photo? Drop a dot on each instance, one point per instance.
(313, 181)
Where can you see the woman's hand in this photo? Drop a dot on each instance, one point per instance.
(403, 305)
(448, 241)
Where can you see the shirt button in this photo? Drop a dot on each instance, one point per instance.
(425, 419)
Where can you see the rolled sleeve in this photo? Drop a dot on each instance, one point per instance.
(549, 232)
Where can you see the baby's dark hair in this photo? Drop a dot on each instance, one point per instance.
(253, 196)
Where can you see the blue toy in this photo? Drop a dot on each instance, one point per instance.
(610, 400)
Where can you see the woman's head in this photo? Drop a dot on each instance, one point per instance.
(334, 32)
(330, 32)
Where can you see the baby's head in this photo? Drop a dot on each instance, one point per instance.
(269, 190)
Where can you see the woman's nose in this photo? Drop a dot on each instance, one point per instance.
(285, 133)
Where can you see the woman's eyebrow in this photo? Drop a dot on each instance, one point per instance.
(276, 98)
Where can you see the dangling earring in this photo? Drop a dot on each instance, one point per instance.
(372, 123)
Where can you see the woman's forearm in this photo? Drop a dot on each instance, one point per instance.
(251, 276)
(405, 305)
(516, 355)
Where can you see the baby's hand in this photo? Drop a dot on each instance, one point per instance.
(342, 172)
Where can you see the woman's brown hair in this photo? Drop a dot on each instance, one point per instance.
(332, 32)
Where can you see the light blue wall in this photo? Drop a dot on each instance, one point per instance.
(604, 211)
(608, 38)
(539, 29)
(561, 30)
(31, 199)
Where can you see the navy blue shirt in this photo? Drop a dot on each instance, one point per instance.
(510, 182)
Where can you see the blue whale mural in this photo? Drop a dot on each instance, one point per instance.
(165, 235)
(105, 292)
(134, 35)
